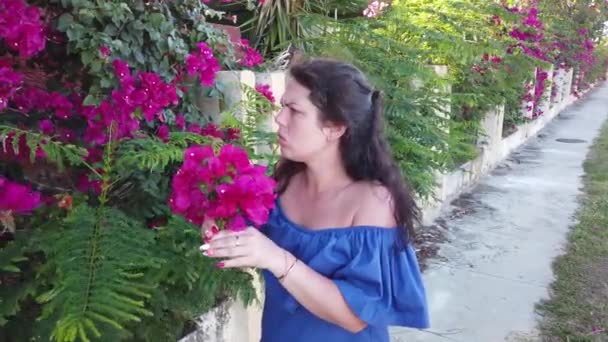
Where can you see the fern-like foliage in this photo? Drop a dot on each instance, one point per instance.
(154, 154)
(189, 284)
(56, 152)
(11, 297)
(143, 172)
(253, 117)
(415, 103)
(99, 257)
(103, 272)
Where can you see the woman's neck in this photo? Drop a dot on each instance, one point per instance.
(323, 176)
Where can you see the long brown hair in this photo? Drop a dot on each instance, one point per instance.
(344, 96)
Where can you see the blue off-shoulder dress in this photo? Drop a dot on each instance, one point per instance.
(380, 282)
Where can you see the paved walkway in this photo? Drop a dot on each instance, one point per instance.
(484, 283)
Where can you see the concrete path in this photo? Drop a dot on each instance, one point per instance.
(496, 266)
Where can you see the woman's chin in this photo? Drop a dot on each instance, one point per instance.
(284, 152)
(288, 154)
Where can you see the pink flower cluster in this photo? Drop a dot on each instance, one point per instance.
(225, 187)
(229, 1)
(534, 93)
(265, 90)
(539, 91)
(22, 154)
(586, 54)
(529, 33)
(10, 81)
(104, 51)
(375, 8)
(203, 64)
(86, 184)
(526, 36)
(554, 84)
(251, 57)
(531, 19)
(17, 198)
(146, 90)
(212, 130)
(488, 63)
(30, 98)
(21, 28)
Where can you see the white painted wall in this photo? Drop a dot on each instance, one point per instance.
(494, 148)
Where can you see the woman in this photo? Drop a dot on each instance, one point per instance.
(336, 254)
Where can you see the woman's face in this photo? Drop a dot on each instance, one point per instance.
(302, 135)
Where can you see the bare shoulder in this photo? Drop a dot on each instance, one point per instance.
(375, 206)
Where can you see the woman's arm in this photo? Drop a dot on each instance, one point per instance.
(317, 293)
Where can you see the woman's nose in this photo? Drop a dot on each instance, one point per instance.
(279, 118)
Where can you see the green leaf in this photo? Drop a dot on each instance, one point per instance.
(125, 49)
(64, 22)
(110, 30)
(96, 66)
(139, 56)
(11, 268)
(104, 83)
(90, 100)
(156, 19)
(86, 57)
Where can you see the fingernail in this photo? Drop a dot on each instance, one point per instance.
(204, 247)
(215, 229)
(219, 265)
(208, 233)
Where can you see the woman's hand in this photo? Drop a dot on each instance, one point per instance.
(247, 248)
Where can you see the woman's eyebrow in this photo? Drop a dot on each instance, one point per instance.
(288, 103)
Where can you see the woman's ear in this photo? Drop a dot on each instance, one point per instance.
(334, 132)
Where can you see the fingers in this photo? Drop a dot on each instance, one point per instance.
(234, 263)
(226, 245)
(230, 234)
(227, 252)
(208, 229)
(227, 241)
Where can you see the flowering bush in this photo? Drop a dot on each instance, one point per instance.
(203, 64)
(95, 117)
(538, 36)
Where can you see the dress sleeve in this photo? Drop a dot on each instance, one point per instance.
(383, 286)
(381, 283)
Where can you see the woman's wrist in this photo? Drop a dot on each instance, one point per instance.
(291, 266)
(281, 263)
(278, 262)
